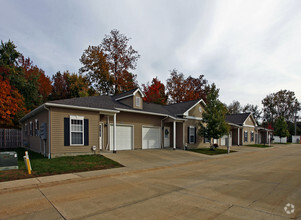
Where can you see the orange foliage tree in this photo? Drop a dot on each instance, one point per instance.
(155, 92)
(11, 102)
(181, 89)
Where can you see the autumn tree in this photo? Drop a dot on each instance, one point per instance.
(234, 107)
(155, 92)
(126, 82)
(11, 102)
(281, 128)
(213, 124)
(181, 89)
(112, 58)
(280, 104)
(68, 85)
(97, 70)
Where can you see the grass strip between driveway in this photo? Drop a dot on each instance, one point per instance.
(42, 166)
(207, 151)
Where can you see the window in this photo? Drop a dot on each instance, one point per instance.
(77, 130)
(36, 127)
(26, 129)
(191, 130)
(246, 136)
(200, 109)
(252, 136)
(137, 101)
(30, 129)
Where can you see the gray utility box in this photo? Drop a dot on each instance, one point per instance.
(8, 160)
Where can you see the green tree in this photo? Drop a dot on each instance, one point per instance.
(281, 128)
(254, 109)
(234, 107)
(213, 124)
(280, 104)
(8, 54)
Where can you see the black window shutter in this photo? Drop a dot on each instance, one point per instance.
(188, 140)
(66, 131)
(86, 132)
(195, 135)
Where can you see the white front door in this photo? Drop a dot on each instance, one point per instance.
(100, 136)
(166, 136)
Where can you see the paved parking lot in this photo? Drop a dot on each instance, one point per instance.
(160, 184)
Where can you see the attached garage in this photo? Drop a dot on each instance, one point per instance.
(151, 137)
(124, 137)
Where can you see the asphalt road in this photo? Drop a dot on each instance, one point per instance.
(166, 184)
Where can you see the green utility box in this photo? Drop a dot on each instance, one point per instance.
(8, 160)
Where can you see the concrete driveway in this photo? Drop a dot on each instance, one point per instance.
(250, 184)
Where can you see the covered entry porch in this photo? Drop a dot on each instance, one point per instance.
(173, 133)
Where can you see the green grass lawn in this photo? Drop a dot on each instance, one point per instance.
(211, 152)
(42, 166)
(259, 145)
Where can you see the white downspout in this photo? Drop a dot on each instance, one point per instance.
(174, 135)
(114, 134)
(238, 142)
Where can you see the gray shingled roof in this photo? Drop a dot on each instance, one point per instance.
(124, 94)
(238, 119)
(102, 102)
(180, 108)
(108, 102)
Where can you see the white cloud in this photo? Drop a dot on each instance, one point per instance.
(248, 48)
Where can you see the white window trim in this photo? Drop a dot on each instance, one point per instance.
(138, 101)
(191, 135)
(75, 117)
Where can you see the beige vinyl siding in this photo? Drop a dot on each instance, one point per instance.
(137, 120)
(57, 132)
(199, 140)
(195, 111)
(249, 121)
(34, 142)
(134, 101)
(249, 130)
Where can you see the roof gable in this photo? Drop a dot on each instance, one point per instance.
(128, 94)
(239, 118)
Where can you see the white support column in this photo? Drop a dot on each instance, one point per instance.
(174, 135)
(238, 142)
(114, 134)
(109, 145)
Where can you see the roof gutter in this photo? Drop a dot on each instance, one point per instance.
(81, 108)
(33, 112)
(150, 113)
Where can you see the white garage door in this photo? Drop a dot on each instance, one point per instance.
(223, 140)
(124, 137)
(150, 137)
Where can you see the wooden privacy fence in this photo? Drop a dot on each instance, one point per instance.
(10, 138)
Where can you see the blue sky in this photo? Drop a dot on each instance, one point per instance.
(248, 48)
